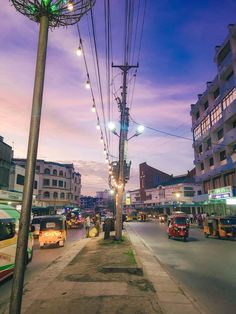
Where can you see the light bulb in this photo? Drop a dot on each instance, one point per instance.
(111, 126)
(101, 139)
(93, 109)
(70, 6)
(79, 51)
(87, 85)
(98, 126)
(104, 151)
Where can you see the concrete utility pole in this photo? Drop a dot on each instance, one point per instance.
(124, 126)
(48, 13)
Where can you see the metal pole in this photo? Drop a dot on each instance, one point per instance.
(24, 225)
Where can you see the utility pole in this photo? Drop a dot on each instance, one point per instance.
(49, 14)
(124, 126)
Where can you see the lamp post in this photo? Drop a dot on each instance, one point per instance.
(49, 14)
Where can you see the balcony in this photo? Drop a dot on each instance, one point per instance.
(224, 64)
(229, 111)
(230, 137)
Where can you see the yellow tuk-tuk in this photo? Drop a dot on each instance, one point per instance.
(53, 230)
(142, 216)
(220, 227)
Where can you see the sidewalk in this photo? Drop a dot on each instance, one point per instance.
(102, 276)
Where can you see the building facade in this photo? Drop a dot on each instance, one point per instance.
(214, 130)
(5, 164)
(59, 184)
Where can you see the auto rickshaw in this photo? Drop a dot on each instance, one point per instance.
(162, 217)
(53, 230)
(220, 227)
(178, 227)
(142, 216)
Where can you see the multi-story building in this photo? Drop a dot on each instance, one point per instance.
(214, 131)
(59, 184)
(5, 164)
(149, 178)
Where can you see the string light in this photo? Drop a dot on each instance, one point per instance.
(79, 51)
(101, 139)
(87, 85)
(98, 126)
(93, 109)
(70, 6)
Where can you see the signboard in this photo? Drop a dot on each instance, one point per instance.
(127, 199)
(231, 201)
(220, 193)
(10, 196)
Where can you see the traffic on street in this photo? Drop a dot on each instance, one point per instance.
(204, 267)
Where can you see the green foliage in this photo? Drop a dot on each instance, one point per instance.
(131, 257)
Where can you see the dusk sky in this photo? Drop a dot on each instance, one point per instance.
(176, 61)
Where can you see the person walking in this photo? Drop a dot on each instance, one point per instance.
(87, 225)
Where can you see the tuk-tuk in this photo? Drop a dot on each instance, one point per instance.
(220, 227)
(162, 217)
(142, 216)
(53, 230)
(178, 226)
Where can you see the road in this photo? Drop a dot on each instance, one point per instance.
(206, 268)
(42, 259)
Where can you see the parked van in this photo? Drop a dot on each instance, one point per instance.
(9, 225)
(53, 230)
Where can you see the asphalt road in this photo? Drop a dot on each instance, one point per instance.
(206, 268)
(42, 258)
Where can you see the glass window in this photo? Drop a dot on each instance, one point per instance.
(55, 195)
(61, 173)
(54, 182)
(47, 171)
(46, 182)
(206, 186)
(229, 98)
(234, 124)
(38, 169)
(229, 179)
(202, 166)
(208, 143)
(7, 229)
(200, 149)
(197, 115)
(222, 155)
(46, 195)
(216, 183)
(20, 179)
(54, 172)
(62, 195)
(60, 183)
(35, 185)
(206, 124)
(216, 114)
(216, 93)
(206, 105)
(211, 161)
(197, 132)
(220, 134)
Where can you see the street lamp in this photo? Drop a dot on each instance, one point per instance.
(49, 14)
(139, 130)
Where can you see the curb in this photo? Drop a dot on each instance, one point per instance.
(173, 298)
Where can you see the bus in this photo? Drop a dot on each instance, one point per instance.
(9, 225)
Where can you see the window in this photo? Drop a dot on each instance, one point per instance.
(220, 134)
(202, 166)
(61, 173)
(197, 115)
(216, 183)
(205, 105)
(206, 186)
(75, 188)
(62, 196)
(54, 172)
(7, 229)
(35, 185)
(64, 184)
(222, 155)
(216, 93)
(46, 182)
(216, 114)
(55, 195)
(206, 124)
(47, 171)
(20, 179)
(208, 143)
(46, 195)
(200, 149)
(234, 124)
(211, 161)
(38, 169)
(229, 179)
(54, 182)
(189, 193)
(197, 132)
(60, 183)
(229, 98)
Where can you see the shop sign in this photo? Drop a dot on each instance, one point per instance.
(127, 200)
(220, 193)
(231, 201)
(10, 196)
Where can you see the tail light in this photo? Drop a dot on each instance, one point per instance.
(40, 233)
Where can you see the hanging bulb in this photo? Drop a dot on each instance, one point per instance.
(104, 151)
(101, 139)
(70, 6)
(79, 51)
(93, 109)
(87, 85)
(98, 126)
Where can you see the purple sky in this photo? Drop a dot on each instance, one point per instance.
(176, 61)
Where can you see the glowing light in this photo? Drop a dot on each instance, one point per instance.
(98, 126)
(101, 139)
(70, 6)
(93, 109)
(87, 85)
(104, 151)
(111, 126)
(79, 51)
(112, 192)
(140, 129)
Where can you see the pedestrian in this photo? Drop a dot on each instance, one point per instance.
(97, 225)
(87, 225)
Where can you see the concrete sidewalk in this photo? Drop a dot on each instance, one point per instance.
(101, 276)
